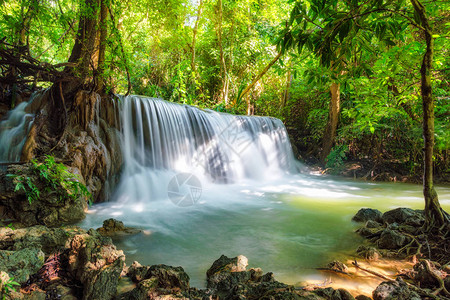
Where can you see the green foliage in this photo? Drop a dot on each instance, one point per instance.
(25, 184)
(9, 286)
(336, 158)
(55, 177)
(11, 226)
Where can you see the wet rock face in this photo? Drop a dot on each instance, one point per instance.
(87, 138)
(81, 265)
(49, 240)
(22, 263)
(113, 227)
(91, 142)
(48, 210)
(391, 239)
(157, 280)
(369, 253)
(339, 294)
(223, 267)
(402, 215)
(390, 290)
(96, 263)
(366, 214)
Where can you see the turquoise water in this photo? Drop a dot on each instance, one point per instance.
(287, 226)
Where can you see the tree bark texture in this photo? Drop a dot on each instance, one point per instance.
(433, 212)
(333, 119)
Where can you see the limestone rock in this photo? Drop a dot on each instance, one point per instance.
(369, 232)
(394, 290)
(113, 227)
(369, 253)
(391, 239)
(228, 279)
(157, 281)
(4, 278)
(372, 224)
(48, 210)
(49, 240)
(401, 215)
(337, 266)
(366, 214)
(339, 294)
(96, 263)
(22, 263)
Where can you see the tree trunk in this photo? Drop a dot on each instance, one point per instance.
(26, 22)
(333, 118)
(257, 78)
(287, 93)
(84, 46)
(194, 35)
(434, 216)
(222, 56)
(102, 46)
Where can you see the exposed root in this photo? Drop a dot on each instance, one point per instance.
(438, 278)
(355, 263)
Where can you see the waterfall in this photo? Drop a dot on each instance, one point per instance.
(161, 139)
(13, 132)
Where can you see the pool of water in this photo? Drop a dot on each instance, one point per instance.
(288, 226)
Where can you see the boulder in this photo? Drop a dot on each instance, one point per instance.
(222, 269)
(370, 232)
(113, 227)
(22, 263)
(228, 279)
(330, 293)
(49, 240)
(337, 266)
(368, 253)
(372, 224)
(96, 263)
(390, 290)
(157, 281)
(391, 239)
(366, 214)
(48, 210)
(401, 215)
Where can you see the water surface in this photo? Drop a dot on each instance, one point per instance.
(287, 225)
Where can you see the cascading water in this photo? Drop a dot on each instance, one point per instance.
(252, 199)
(249, 197)
(161, 139)
(13, 132)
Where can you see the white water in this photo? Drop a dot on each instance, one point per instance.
(248, 197)
(163, 139)
(13, 132)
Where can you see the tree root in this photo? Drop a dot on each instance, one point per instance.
(355, 263)
(439, 279)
